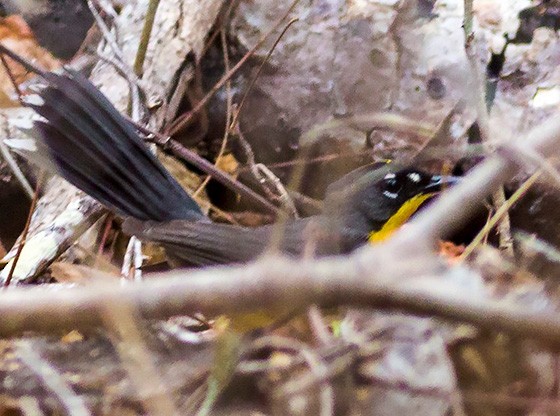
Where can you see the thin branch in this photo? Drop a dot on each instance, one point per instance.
(365, 279)
(51, 379)
(109, 37)
(468, 19)
(25, 230)
(145, 37)
(500, 212)
(498, 197)
(183, 121)
(229, 100)
(191, 157)
(12, 164)
(137, 361)
(259, 71)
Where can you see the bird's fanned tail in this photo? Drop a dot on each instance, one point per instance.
(96, 149)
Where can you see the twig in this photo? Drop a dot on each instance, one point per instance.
(12, 164)
(259, 71)
(11, 76)
(136, 91)
(229, 100)
(183, 121)
(364, 279)
(25, 230)
(119, 62)
(107, 35)
(318, 327)
(261, 173)
(121, 320)
(6, 155)
(264, 176)
(498, 198)
(366, 122)
(320, 371)
(132, 261)
(468, 19)
(51, 379)
(500, 212)
(189, 156)
(145, 37)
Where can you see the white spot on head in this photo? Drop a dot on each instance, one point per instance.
(390, 176)
(392, 195)
(414, 177)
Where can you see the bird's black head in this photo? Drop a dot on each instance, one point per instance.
(374, 202)
(394, 189)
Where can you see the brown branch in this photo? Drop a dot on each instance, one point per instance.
(453, 208)
(483, 120)
(52, 380)
(363, 279)
(191, 157)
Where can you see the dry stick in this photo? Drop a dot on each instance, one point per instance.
(229, 100)
(270, 283)
(118, 61)
(320, 370)
(11, 76)
(498, 198)
(259, 71)
(25, 229)
(187, 155)
(261, 173)
(145, 37)
(7, 156)
(499, 214)
(12, 164)
(51, 379)
(365, 278)
(107, 36)
(121, 320)
(181, 122)
(468, 19)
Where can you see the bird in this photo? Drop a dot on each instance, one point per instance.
(101, 152)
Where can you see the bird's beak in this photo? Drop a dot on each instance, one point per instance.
(439, 183)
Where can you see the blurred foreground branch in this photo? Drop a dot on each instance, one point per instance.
(267, 284)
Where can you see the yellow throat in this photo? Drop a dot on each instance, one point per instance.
(399, 218)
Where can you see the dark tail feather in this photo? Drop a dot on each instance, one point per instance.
(199, 243)
(100, 152)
